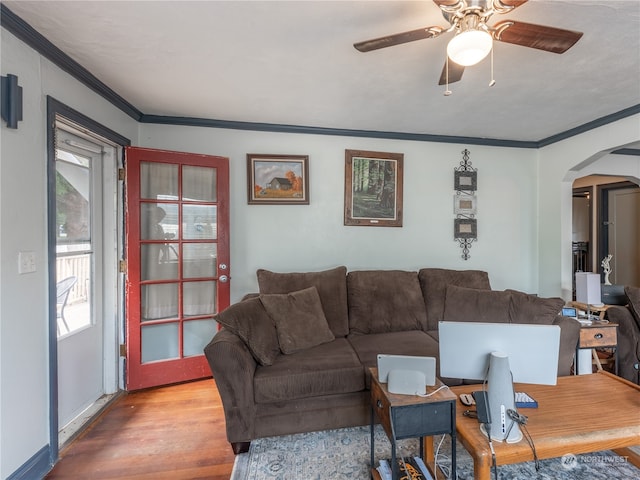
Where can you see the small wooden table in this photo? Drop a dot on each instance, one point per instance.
(581, 414)
(601, 310)
(598, 335)
(410, 416)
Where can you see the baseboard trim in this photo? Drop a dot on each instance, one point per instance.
(36, 467)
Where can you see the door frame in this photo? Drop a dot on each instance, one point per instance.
(57, 109)
(603, 218)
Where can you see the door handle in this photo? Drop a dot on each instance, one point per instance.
(223, 279)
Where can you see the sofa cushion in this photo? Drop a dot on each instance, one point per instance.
(411, 342)
(434, 281)
(385, 301)
(331, 286)
(327, 369)
(299, 318)
(526, 308)
(251, 322)
(633, 295)
(473, 305)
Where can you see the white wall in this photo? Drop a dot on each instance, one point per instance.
(560, 164)
(24, 352)
(313, 237)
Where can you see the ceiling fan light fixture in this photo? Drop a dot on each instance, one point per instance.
(469, 47)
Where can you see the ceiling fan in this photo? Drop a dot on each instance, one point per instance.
(473, 38)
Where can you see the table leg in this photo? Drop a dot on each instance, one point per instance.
(482, 468)
(428, 454)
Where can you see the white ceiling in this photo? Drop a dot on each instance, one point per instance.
(293, 63)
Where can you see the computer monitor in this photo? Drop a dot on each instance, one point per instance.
(500, 353)
(532, 350)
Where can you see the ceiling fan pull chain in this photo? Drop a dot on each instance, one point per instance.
(447, 92)
(493, 81)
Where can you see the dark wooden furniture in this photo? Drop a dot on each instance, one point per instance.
(409, 416)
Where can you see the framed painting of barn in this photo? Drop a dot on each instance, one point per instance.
(277, 179)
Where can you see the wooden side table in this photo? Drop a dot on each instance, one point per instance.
(601, 310)
(410, 416)
(598, 335)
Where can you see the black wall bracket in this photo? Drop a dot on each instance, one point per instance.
(11, 94)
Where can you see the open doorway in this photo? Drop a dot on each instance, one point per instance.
(85, 231)
(606, 221)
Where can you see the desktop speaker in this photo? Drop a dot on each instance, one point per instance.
(406, 382)
(501, 398)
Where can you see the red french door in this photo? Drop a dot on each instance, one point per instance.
(177, 253)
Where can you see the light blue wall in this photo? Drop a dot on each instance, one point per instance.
(313, 237)
(24, 347)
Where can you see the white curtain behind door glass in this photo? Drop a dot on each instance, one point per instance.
(159, 221)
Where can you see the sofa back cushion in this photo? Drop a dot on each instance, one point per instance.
(472, 305)
(331, 286)
(383, 301)
(633, 295)
(434, 281)
(526, 308)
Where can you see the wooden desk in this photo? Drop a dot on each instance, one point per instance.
(581, 414)
(409, 416)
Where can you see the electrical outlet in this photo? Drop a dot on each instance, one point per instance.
(26, 262)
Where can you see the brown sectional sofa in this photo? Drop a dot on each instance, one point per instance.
(295, 357)
(628, 320)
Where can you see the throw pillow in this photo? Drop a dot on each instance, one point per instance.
(382, 301)
(331, 286)
(299, 318)
(526, 308)
(251, 322)
(633, 295)
(473, 305)
(434, 281)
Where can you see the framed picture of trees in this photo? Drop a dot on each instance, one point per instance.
(373, 188)
(277, 179)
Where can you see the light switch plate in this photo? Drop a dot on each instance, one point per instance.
(26, 262)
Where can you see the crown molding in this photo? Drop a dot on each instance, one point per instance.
(38, 42)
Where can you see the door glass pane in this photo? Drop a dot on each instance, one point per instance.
(158, 221)
(199, 298)
(199, 222)
(199, 260)
(197, 334)
(159, 342)
(74, 255)
(158, 181)
(158, 261)
(73, 194)
(198, 184)
(159, 301)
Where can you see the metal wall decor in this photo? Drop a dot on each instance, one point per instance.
(465, 225)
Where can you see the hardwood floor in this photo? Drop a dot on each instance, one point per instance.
(175, 432)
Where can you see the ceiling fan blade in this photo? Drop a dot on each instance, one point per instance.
(398, 38)
(509, 4)
(455, 73)
(550, 39)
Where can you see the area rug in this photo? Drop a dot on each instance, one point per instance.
(345, 454)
